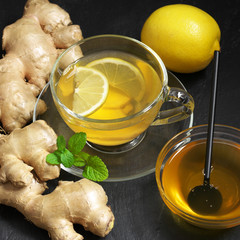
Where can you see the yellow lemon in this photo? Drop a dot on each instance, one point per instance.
(184, 36)
(122, 75)
(91, 90)
(117, 105)
(65, 83)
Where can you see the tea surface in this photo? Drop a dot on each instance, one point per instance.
(131, 91)
(127, 95)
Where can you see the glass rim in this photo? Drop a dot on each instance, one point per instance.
(168, 147)
(202, 126)
(179, 137)
(117, 120)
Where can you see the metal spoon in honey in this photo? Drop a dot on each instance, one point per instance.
(206, 199)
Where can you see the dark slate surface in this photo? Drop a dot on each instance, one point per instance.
(140, 212)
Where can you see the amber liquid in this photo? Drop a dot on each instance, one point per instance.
(184, 170)
(119, 104)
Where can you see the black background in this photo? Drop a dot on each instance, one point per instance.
(139, 211)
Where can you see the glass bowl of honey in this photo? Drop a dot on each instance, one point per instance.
(180, 167)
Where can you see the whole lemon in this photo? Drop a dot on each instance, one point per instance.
(184, 36)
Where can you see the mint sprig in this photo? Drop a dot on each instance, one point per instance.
(71, 154)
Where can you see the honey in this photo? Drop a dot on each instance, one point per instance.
(184, 170)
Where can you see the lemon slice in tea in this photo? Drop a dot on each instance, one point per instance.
(122, 75)
(65, 83)
(91, 90)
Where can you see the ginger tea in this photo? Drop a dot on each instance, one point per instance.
(133, 85)
(184, 170)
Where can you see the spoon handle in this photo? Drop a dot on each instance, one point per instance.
(211, 119)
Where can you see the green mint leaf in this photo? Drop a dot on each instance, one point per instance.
(79, 162)
(95, 169)
(81, 159)
(84, 156)
(67, 158)
(77, 142)
(58, 154)
(61, 143)
(52, 158)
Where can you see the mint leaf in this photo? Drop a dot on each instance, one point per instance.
(52, 159)
(79, 162)
(81, 159)
(95, 169)
(61, 143)
(77, 142)
(84, 156)
(67, 158)
(58, 154)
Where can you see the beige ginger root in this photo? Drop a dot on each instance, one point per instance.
(26, 149)
(82, 202)
(32, 45)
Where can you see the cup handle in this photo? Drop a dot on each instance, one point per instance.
(184, 108)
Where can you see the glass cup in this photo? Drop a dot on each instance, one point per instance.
(122, 134)
(179, 169)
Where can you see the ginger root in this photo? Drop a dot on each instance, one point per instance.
(26, 149)
(83, 202)
(32, 45)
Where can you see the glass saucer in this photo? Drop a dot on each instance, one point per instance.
(135, 163)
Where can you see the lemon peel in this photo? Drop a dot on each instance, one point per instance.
(184, 36)
(122, 75)
(91, 90)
